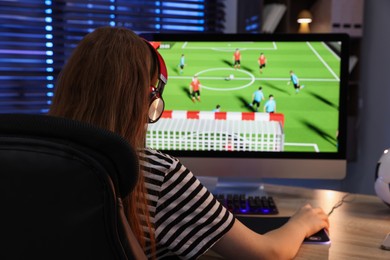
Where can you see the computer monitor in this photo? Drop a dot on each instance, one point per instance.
(223, 133)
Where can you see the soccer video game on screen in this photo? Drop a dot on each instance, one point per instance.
(249, 96)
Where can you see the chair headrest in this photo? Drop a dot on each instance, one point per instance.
(107, 143)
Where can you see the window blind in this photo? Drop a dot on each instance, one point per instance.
(37, 36)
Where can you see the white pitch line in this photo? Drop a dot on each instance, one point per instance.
(323, 62)
(315, 146)
(268, 79)
(228, 48)
(274, 47)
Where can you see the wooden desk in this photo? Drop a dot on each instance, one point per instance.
(358, 226)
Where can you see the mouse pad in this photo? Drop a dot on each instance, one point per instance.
(262, 225)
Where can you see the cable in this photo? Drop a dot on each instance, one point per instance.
(339, 203)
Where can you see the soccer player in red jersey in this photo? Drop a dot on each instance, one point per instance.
(237, 58)
(195, 88)
(262, 62)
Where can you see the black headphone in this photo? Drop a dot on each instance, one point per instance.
(156, 105)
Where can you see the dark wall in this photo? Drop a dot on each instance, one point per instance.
(373, 124)
(246, 11)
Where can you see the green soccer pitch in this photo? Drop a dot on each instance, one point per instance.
(311, 116)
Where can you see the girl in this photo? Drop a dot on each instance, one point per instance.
(113, 80)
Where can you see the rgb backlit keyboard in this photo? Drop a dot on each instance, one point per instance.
(243, 204)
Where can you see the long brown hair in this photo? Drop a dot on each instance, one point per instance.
(106, 83)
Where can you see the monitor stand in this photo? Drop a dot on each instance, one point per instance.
(218, 185)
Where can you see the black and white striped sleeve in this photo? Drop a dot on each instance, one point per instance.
(188, 219)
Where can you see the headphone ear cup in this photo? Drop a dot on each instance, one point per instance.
(156, 107)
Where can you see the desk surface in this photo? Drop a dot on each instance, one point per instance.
(358, 226)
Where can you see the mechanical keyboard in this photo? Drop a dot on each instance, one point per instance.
(248, 205)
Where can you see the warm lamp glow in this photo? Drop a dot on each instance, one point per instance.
(304, 18)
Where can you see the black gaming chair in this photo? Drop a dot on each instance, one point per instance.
(61, 189)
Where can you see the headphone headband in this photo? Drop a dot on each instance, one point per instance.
(156, 106)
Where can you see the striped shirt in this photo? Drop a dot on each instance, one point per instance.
(187, 219)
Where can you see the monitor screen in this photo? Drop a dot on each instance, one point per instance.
(256, 105)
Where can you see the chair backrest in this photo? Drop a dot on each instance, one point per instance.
(61, 185)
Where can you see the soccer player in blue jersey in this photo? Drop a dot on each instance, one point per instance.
(295, 80)
(270, 105)
(182, 63)
(257, 97)
(217, 108)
